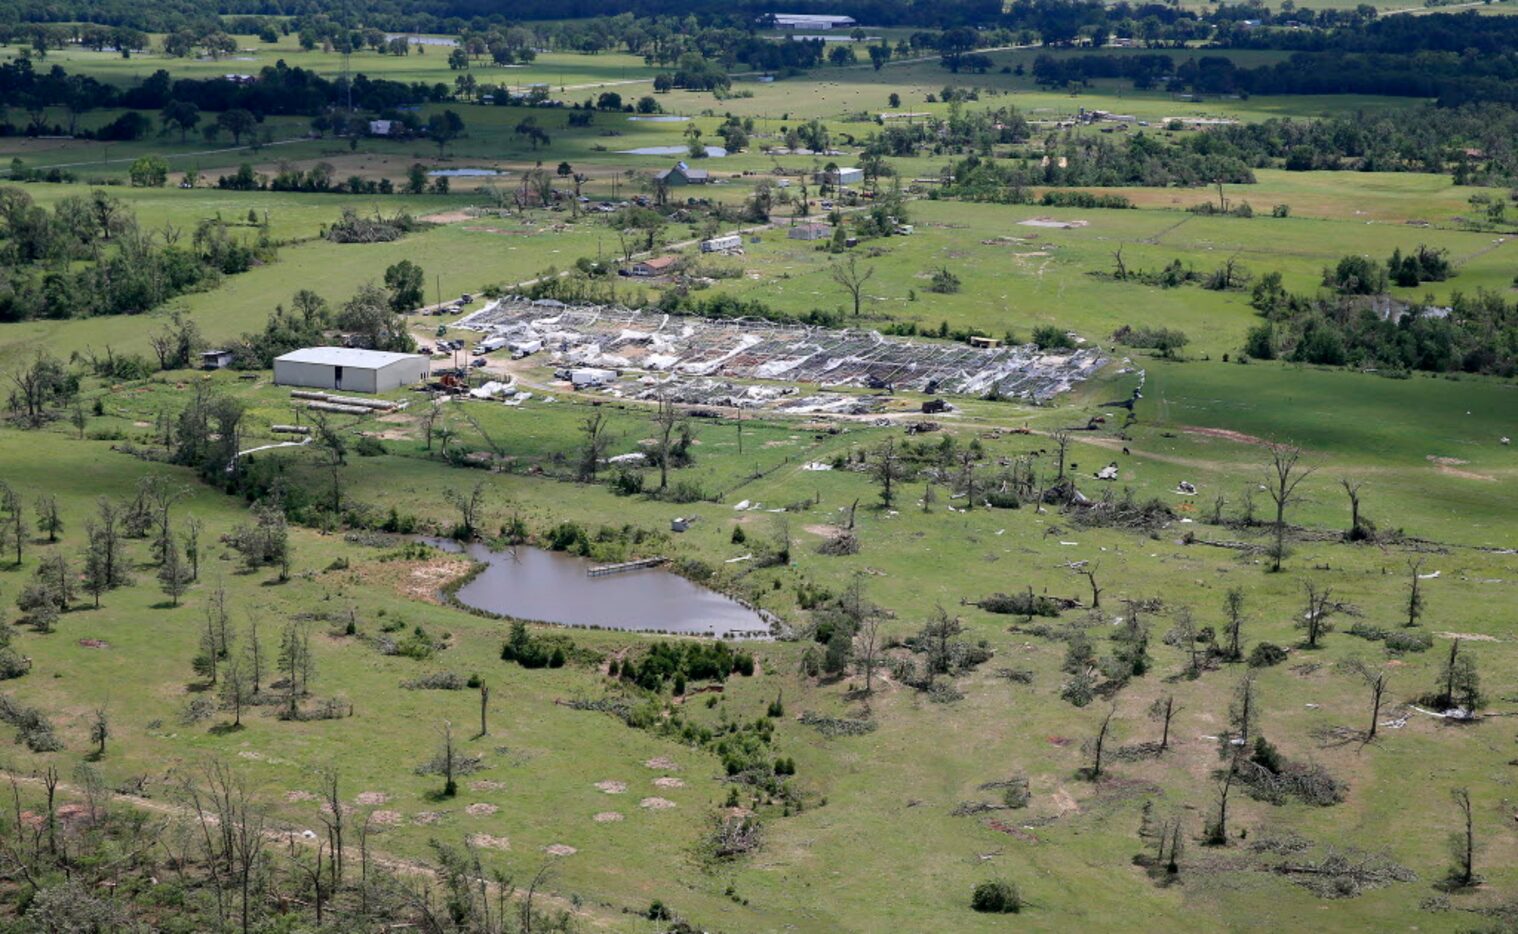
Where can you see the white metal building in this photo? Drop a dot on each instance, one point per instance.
(718, 244)
(812, 21)
(349, 369)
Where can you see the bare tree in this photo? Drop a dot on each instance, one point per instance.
(1319, 608)
(1283, 474)
(1122, 269)
(1096, 746)
(1464, 844)
(1062, 439)
(1376, 679)
(430, 418)
(1414, 590)
(330, 444)
(333, 814)
(231, 832)
(867, 648)
(887, 470)
(1243, 719)
(192, 529)
(1352, 490)
(469, 505)
(235, 692)
(1088, 571)
(849, 277)
(665, 419)
(447, 758)
(593, 447)
(1233, 628)
(100, 731)
(1217, 829)
(1164, 709)
(484, 709)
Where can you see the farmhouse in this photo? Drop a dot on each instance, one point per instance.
(349, 369)
(657, 266)
(683, 174)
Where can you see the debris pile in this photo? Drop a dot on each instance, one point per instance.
(753, 348)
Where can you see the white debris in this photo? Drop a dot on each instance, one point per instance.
(816, 465)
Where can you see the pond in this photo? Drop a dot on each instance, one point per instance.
(551, 587)
(659, 118)
(463, 173)
(716, 152)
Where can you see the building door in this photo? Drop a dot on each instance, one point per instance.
(337, 377)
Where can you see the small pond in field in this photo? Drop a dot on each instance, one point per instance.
(659, 118)
(552, 587)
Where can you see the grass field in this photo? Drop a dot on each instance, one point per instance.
(886, 812)
(876, 843)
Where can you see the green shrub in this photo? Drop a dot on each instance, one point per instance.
(1266, 654)
(996, 897)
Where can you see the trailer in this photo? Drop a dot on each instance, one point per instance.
(489, 344)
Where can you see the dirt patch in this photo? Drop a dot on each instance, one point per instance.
(94, 643)
(295, 797)
(427, 818)
(481, 809)
(1012, 830)
(560, 849)
(1225, 434)
(1464, 474)
(446, 217)
(1064, 802)
(656, 804)
(386, 818)
(486, 784)
(1446, 461)
(662, 763)
(826, 531)
(1467, 636)
(414, 580)
(1051, 222)
(668, 782)
(612, 787)
(372, 797)
(489, 842)
(608, 817)
(1058, 740)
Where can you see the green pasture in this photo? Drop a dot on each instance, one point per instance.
(883, 845)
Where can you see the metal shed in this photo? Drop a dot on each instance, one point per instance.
(349, 369)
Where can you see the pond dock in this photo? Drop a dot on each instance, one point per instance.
(637, 565)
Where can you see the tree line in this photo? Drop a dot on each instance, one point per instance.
(89, 256)
(1354, 323)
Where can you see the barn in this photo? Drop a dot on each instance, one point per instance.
(349, 369)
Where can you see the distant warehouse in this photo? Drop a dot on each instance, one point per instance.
(812, 21)
(349, 369)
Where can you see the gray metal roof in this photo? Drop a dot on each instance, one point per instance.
(346, 357)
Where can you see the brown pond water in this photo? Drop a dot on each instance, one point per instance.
(550, 587)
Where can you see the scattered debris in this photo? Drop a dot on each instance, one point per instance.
(752, 348)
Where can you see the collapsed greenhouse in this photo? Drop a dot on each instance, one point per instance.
(751, 348)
